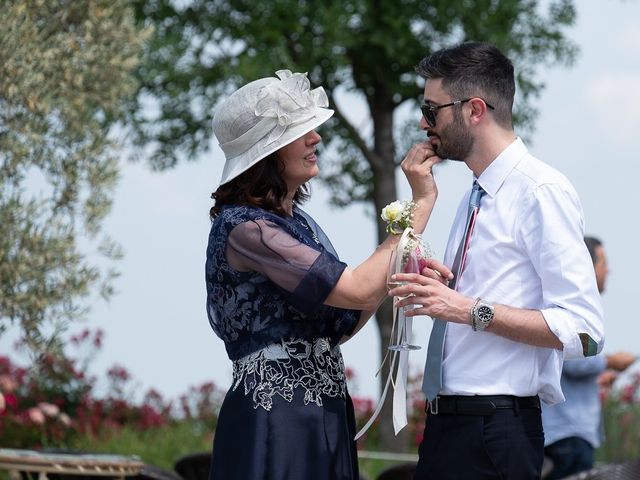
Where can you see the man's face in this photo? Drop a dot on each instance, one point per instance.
(451, 138)
(601, 268)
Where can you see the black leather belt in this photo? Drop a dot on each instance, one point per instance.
(480, 404)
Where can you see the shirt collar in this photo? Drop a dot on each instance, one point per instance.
(495, 174)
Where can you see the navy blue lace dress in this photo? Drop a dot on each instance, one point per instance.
(288, 414)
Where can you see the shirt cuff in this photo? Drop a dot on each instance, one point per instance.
(577, 338)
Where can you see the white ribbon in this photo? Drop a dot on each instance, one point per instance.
(407, 241)
(400, 386)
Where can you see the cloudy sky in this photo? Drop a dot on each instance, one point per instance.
(156, 325)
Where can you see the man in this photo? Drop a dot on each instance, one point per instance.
(522, 294)
(573, 429)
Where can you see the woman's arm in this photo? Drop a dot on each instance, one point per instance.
(364, 287)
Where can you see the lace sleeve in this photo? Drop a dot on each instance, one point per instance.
(264, 247)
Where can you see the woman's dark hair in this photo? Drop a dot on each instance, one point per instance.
(474, 69)
(261, 186)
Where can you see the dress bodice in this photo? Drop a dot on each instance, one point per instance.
(285, 268)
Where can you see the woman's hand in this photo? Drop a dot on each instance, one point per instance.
(417, 167)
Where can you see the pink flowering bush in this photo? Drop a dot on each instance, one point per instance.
(621, 415)
(200, 406)
(53, 402)
(26, 416)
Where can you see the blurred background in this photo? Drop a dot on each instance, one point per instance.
(578, 104)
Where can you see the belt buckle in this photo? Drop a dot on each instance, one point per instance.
(432, 409)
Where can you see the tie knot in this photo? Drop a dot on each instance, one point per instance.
(476, 195)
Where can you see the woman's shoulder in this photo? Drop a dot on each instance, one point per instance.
(233, 215)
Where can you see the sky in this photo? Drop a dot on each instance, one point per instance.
(156, 325)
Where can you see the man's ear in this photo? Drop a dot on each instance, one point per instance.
(478, 109)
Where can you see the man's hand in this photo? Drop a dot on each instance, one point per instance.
(620, 360)
(432, 268)
(431, 296)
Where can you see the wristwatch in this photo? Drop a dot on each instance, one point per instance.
(481, 315)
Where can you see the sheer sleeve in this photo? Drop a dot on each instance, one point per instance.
(308, 275)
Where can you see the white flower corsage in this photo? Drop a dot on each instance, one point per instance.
(398, 215)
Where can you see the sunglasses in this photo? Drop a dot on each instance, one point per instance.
(430, 111)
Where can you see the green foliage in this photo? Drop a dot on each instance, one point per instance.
(203, 50)
(159, 446)
(373, 467)
(66, 69)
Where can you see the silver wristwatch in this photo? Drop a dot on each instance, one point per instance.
(481, 315)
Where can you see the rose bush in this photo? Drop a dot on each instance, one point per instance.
(53, 403)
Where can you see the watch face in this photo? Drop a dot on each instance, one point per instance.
(485, 313)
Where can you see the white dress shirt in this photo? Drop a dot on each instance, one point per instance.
(527, 251)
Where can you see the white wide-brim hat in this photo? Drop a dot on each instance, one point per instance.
(264, 116)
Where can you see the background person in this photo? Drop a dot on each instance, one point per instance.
(573, 429)
(278, 295)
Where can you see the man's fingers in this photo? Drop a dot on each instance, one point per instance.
(440, 268)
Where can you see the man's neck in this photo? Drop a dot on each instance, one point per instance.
(487, 147)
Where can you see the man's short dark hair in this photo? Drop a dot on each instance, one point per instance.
(592, 243)
(474, 69)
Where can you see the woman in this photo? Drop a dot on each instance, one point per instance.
(278, 295)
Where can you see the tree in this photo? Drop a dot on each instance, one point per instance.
(368, 48)
(66, 66)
